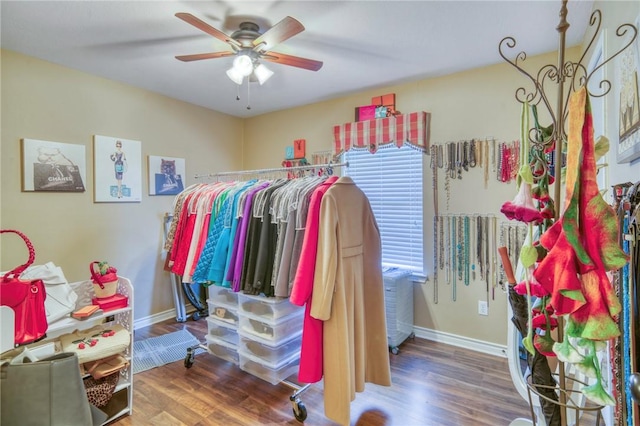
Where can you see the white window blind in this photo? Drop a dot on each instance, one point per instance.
(392, 180)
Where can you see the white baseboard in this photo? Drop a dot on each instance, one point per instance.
(156, 318)
(461, 341)
(425, 333)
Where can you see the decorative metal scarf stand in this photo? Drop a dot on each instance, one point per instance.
(567, 76)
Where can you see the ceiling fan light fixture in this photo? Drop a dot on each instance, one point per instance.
(235, 76)
(243, 65)
(262, 73)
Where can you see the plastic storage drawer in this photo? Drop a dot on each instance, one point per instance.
(222, 295)
(258, 348)
(266, 308)
(273, 374)
(223, 330)
(223, 350)
(272, 332)
(223, 312)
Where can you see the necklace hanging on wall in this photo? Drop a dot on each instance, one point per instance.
(485, 157)
(452, 257)
(441, 249)
(479, 244)
(459, 159)
(472, 153)
(473, 237)
(434, 183)
(465, 156)
(467, 241)
(447, 257)
(460, 247)
(435, 259)
(494, 155)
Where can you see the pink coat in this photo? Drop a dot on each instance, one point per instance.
(310, 370)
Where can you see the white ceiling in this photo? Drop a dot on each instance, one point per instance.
(363, 44)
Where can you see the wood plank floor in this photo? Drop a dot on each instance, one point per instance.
(433, 385)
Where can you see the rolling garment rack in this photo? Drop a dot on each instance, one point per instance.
(299, 409)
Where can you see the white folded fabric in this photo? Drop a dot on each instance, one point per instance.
(61, 299)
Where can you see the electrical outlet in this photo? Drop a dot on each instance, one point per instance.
(483, 307)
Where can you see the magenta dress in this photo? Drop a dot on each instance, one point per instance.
(310, 370)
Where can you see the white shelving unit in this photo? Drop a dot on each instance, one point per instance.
(121, 402)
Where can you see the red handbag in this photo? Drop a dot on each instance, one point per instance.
(26, 299)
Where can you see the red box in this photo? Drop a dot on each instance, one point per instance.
(116, 301)
(299, 150)
(364, 113)
(388, 100)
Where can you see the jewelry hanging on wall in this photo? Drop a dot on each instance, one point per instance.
(448, 258)
(474, 237)
(441, 249)
(434, 183)
(435, 259)
(472, 153)
(494, 257)
(479, 244)
(454, 266)
(485, 157)
(460, 247)
(494, 154)
(465, 156)
(450, 173)
(459, 159)
(467, 241)
(487, 264)
(434, 177)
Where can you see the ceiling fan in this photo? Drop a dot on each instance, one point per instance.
(249, 46)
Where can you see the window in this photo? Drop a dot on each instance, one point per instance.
(392, 180)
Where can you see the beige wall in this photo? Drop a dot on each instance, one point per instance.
(41, 100)
(615, 13)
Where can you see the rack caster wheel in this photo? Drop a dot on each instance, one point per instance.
(195, 316)
(299, 410)
(394, 350)
(412, 336)
(189, 358)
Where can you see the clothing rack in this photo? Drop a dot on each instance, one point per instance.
(568, 77)
(298, 407)
(328, 166)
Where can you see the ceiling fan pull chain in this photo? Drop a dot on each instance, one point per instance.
(237, 92)
(248, 94)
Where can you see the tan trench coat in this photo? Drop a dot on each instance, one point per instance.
(348, 295)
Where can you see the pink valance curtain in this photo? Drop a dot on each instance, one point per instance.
(412, 129)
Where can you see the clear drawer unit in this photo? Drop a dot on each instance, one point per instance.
(398, 300)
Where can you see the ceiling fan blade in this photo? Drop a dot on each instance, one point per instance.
(203, 26)
(200, 56)
(280, 32)
(294, 61)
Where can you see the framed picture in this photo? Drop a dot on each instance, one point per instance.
(117, 167)
(166, 175)
(53, 166)
(629, 102)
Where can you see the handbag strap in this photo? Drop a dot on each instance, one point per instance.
(95, 277)
(32, 254)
